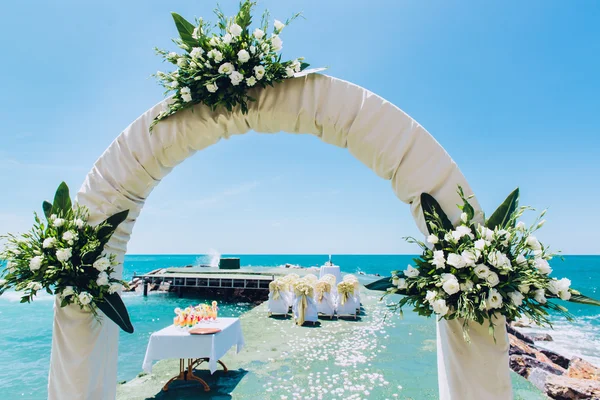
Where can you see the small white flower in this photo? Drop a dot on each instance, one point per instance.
(186, 94)
(172, 55)
(494, 299)
(430, 296)
(63, 254)
(521, 260)
(543, 266)
(215, 55)
(102, 279)
(492, 278)
(235, 30)
(58, 222)
(197, 52)
(226, 68)
(433, 239)
(541, 223)
(451, 286)
(182, 63)
(411, 272)
(67, 291)
(533, 243)
(461, 231)
(485, 233)
(114, 287)
(53, 217)
(252, 49)
(85, 298)
(440, 307)
(467, 286)
(227, 39)
(69, 236)
(470, 257)
(553, 286)
(289, 72)
(36, 263)
(524, 288)
(520, 226)
(401, 284)
(540, 296)
(464, 217)
(11, 267)
(278, 25)
(516, 298)
(101, 264)
(251, 81)
(276, 43)
(236, 78)
(499, 260)
(212, 87)
(197, 33)
(564, 295)
(79, 223)
(456, 261)
(49, 243)
(480, 244)
(259, 72)
(258, 34)
(438, 259)
(243, 56)
(482, 271)
(34, 286)
(174, 84)
(564, 284)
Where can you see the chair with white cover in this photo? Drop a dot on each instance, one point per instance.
(277, 304)
(312, 279)
(347, 304)
(324, 299)
(304, 308)
(351, 278)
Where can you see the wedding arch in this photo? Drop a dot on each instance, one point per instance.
(380, 135)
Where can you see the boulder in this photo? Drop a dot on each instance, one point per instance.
(565, 388)
(164, 287)
(581, 369)
(523, 365)
(519, 347)
(518, 334)
(541, 337)
(556, 358)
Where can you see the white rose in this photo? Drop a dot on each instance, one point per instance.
(411, 272)
(438, 259)
(186, 94)
(182, 62)
(172, 55)
(469, 257)
(521, 226)
(227, 38)
(197, 52)
(79, 223)
(252, 49)
(433, 239)
(101, 264)
(67, 291)
(480, 244)
(431, 295)
(85, 298)
(36, 263)
(461, 231)
(289, 72)
(533, 243)
(494, 299)
(212, 87)
(524, 288)
(401, 284)
(259, 72)
(564, 284)
(236, 78)
(467, 286)
(215, 55)
(482, 271)
(451, 286)
(296, 66)
(226, 68)
(540, 296)
(543, 266)
(493, 279)
(516, 298)
(58, 222)
(456, 260)
(63, 254)
(464, 217)
(102, 279)
(553, 286)
(235, 30)
(499, 260)
(278, 25)
(276, 43)
(49, 243)
(243, 56)
(485, 233)
(251, 81)
(114, 287)
(258, 34)
(440, 307)
(69, 235)
(564, 295)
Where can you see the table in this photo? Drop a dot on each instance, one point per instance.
(333, 270)
(174, 342)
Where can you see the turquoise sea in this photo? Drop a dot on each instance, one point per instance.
(26, 329)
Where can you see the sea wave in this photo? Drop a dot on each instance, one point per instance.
(15, 297)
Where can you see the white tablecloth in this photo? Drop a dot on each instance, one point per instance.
(333, 270)
(174, 342)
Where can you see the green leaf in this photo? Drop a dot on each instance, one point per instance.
(185, 29)
(501, 217)
(114, 308)
(381, 285)
(47, 207)
(109, 226)
(430, 206)
(62, 201)
(581, 299)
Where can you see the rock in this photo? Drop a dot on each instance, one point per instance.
(538, 378)
(523, 365)
(519, 347)
(164, 287)
(556, 358)
(581, 369)
(541, 337)
(518, 334)
(565, 388)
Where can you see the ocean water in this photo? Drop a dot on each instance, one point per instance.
(26, 329)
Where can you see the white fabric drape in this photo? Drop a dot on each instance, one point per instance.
(376, 132)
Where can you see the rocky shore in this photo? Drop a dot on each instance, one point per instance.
(559, 377)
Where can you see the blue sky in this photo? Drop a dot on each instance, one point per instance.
(509, 88)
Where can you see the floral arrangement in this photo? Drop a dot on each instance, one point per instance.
(217, 69)
(478, 269)
(65, 256)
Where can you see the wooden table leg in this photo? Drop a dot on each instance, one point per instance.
(187, 374)
(201, 360)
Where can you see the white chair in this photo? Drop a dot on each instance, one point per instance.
(351, 278)
(304, 308)
(347, 304)
(277, 304)
(324, 299)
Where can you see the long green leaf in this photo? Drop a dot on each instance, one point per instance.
(581, 299)
(429, 205)
(381, 284)
(501, 217)
(47, 207)
(185, 29)
(62, 201)
(110, 225)
(114, 308)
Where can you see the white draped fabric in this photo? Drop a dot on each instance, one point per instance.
(393, 145)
